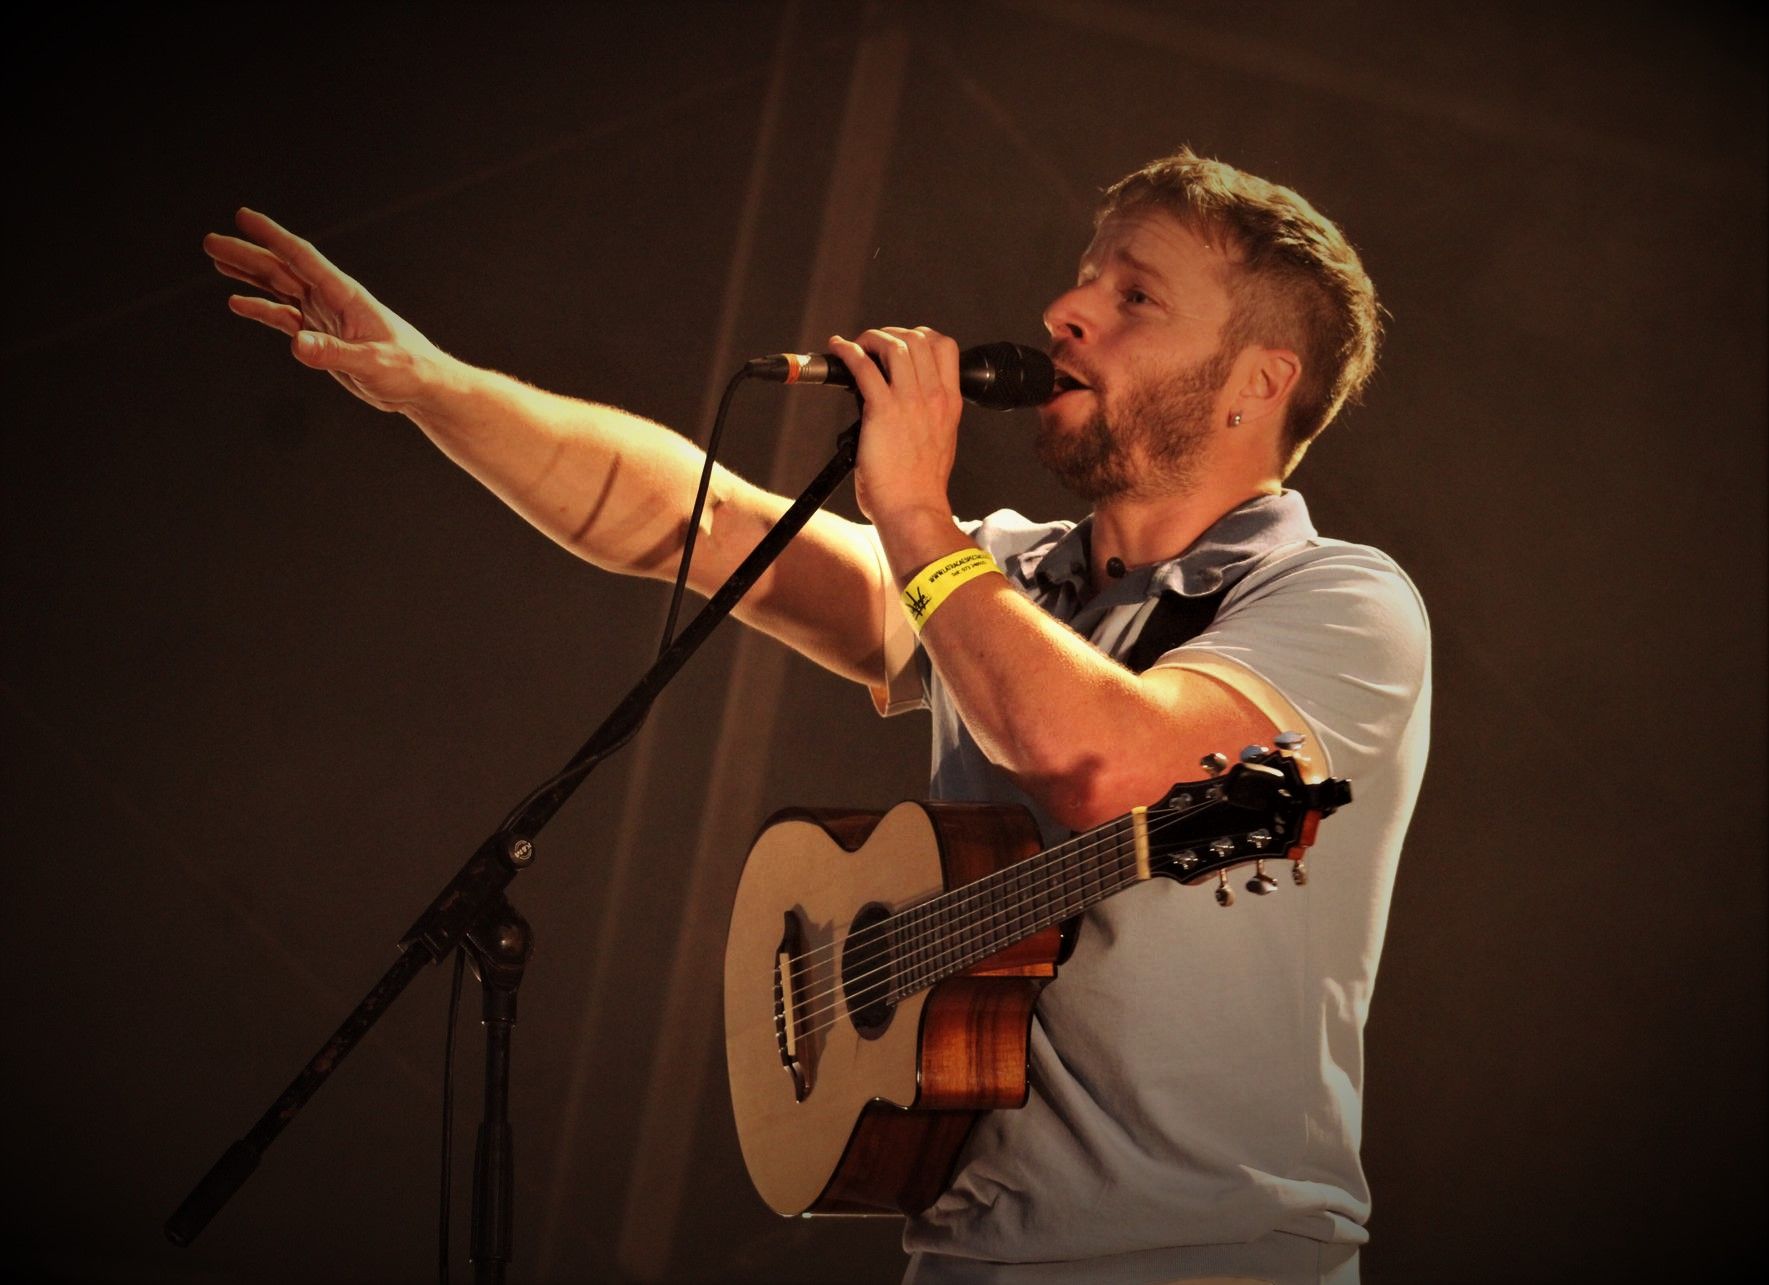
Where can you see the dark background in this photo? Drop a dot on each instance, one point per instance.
(273, 666)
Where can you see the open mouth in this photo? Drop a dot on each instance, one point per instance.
(1065, 383)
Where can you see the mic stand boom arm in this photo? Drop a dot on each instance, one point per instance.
(473, 902)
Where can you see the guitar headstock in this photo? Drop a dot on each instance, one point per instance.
(1258, 810)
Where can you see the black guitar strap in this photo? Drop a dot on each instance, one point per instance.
(1175, 621)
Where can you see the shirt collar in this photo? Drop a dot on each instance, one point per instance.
(1216, 559)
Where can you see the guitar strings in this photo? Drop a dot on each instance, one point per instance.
(968, 952)
(958, 938)
(957, 942)
(959, 931)
(1077, 846)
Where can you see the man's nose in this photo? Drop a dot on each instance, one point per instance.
(1065, 316)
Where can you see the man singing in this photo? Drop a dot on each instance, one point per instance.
(1196, 1079)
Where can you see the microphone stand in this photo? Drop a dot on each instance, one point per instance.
(472, 913)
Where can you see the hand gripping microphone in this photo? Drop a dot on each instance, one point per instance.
(1000, 376)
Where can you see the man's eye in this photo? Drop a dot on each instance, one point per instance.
(1135, 296)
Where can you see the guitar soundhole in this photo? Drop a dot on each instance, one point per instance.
(866, 972)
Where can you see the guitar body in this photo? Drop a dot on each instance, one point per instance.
(845, 1106)
(882, 968)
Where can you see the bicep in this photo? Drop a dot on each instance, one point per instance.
(1343, 641)
(1258, 705)
(1200, 714)
(1151, 734)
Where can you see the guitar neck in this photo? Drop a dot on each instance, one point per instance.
(958, 930)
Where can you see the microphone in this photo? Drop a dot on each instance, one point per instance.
(1000, 376)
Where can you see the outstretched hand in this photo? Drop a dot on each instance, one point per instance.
(333, 323)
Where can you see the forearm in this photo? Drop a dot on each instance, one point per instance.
(616, 489)
(612, 487)
(1028, 689)
(1062, 719)
(1079, 732)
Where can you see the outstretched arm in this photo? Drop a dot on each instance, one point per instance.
(612, 487)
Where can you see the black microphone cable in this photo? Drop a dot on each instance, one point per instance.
(706, 477)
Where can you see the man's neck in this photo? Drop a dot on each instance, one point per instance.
(1143, 530)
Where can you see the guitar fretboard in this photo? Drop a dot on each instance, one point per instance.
(958, 930)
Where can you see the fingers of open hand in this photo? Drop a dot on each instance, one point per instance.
(291, 264)
(254, 265)
(278, 316)
(306, 262)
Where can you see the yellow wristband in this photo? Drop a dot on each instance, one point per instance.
(934, 583)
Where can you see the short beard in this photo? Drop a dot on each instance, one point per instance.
(1151, 445)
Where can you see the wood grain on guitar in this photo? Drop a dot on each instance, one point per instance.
(882, 968)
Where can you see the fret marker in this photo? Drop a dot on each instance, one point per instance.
(1139, 829)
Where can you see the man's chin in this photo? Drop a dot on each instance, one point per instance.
(1079, 455)
(1053, 439)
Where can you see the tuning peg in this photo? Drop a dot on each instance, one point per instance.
(1299, 872)
(1254, 753)
(1261, 883)
(1224, 894)
(1214, 764)
(1289, 742)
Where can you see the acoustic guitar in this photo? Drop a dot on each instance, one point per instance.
(882, 968)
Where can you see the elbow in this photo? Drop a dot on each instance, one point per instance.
(651, 550)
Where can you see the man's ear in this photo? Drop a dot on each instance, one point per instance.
(1270, 376)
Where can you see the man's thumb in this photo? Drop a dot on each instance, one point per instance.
(321, 351)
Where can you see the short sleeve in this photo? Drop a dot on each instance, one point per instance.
(1339, 632)
(1010, 538)
(899, 687)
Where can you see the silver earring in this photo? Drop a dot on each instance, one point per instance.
(1234, 419)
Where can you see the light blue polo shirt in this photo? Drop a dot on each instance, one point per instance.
(1197, 1071)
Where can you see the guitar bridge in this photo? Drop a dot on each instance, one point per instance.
(789, 1032)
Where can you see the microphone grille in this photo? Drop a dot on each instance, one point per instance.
(1014, 375)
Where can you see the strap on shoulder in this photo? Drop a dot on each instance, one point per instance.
(1175, 621)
